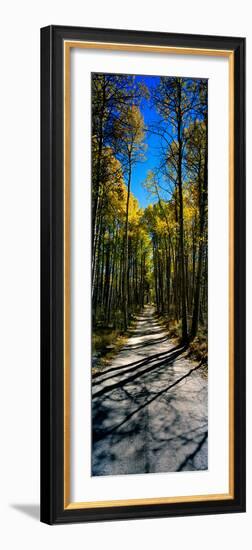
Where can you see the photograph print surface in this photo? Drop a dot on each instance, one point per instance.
(149, 274)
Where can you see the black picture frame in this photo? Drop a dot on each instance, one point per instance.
(52, 273)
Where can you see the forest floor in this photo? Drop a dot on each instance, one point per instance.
(149, 406)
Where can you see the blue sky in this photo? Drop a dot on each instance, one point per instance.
(152, 161)
(153, 152)
(141, 169)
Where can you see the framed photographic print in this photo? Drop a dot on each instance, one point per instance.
(142, 274)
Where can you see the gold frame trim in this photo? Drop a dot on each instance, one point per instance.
(68, 505)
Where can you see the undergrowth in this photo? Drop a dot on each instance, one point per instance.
(197, 348)
(107, 342)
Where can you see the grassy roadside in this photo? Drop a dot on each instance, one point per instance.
(197, 349)
(107, 342)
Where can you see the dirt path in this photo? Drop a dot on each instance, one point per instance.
(145, 419)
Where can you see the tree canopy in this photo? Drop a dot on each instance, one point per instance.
(156, 253)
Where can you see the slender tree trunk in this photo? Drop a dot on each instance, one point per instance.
(202, 208)
(155, 274)
(97, 179)
(126, 252)
(181, 220)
